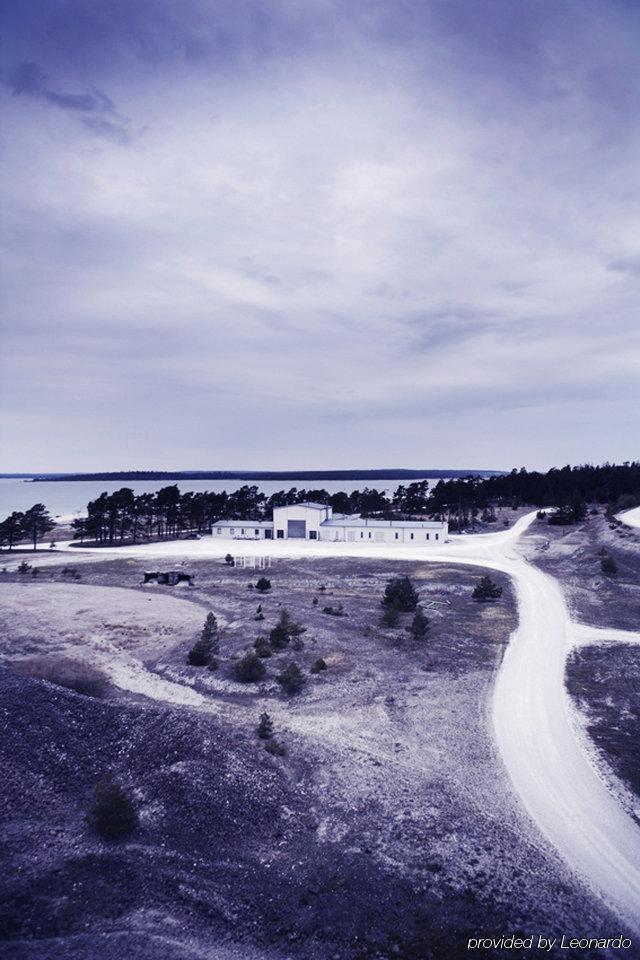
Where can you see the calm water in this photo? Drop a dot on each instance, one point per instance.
(64, 499)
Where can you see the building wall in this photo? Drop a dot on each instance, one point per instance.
(310, 516)
(416, 536)
(240, 529)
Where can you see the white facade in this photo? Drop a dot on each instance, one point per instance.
(315, 521)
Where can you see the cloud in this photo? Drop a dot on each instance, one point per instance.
(630, 265)
(391, 215)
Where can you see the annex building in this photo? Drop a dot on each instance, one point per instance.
(316, 521)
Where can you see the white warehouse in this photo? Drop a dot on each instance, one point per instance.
(316, 521)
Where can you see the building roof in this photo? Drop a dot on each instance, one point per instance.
(267, 524)
(360, 522)
(311, 506)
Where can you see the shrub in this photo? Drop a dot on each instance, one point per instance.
(285, 631)
(210, 631)
(314, 602)
(112, 815)
(609, 566)
(275, 748)
(249, 669)
(213, 665)
(319, 665)
(291, 679)
(259, 614)
(263, 585)
(401, 595)
(334, 611)
(390, 617)
(200, 653)
(265, 727)
(263, 648)
(419, 625)
(24, 567)
(485, 589)
(229, 560)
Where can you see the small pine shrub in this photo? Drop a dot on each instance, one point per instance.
(318, 665)
(390, 618)
(275, 748)
(609, 566)
(291, 679)
(263, 648)
(213, 665)
(263, 585)
(112, 815)
(485, 589)
(419, 625)
(265, 727)
(24, 567)
(229, 560)
(249, 669)
(314, 602)
(337, 611)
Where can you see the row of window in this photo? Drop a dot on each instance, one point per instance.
(314, 536)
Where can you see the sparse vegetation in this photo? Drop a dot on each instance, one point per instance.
(65, 672)
(485, 590)
(609, 566)
(275, 748)
(390, 618)
(337, 611)
(249, 669)
(263, 585)
(112, 815)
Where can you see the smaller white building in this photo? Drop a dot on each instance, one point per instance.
(316, 521)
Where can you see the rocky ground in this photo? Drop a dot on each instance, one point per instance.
(386, 830)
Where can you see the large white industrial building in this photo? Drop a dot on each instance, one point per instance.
(316, 521)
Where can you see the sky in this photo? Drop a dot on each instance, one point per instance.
(279, 234)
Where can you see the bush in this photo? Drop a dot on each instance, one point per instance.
(334, 611)
(291, 679)
(419, 625)
(259, 614)
(112, 815)
(285, 631)
(485, 589)
(200, 653)
(213, 665)
(250, 669)
(265, 727)
(401, 595)
(229, 560)
(275, 748)
(263, 648)
(390, 617)
(609, 566)
(71, 674)
(319, 665)
(24, 567)
(263, 585)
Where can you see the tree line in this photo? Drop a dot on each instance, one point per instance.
(168, 513)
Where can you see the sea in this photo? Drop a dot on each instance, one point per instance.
(67, 499)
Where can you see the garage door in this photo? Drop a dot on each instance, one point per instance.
(297, 528)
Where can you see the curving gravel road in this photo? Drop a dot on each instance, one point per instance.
(540, 744)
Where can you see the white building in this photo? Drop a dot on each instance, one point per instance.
(316, 521)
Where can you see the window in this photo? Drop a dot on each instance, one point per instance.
(280, 534)
(242, 530)
(427, 536)
(313, 534)
(397, 535)
(412, 536)
(232, 529)
(257, 533)
(219, 530)
(369, 535)
(362, 533)
(437, 536)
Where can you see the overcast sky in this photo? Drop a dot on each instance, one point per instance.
(320, 233)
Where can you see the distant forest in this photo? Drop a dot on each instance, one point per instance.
(169, 513)
(304, 475)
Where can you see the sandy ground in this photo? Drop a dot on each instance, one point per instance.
(536, 732)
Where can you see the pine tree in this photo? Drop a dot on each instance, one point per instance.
(400, 594)
(486, 589)
(249, 669)
(210, 633)
(285, 631)
(263, 585)
(292, 679)
(265, 727)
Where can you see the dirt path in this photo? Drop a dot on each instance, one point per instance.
(541, 746)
